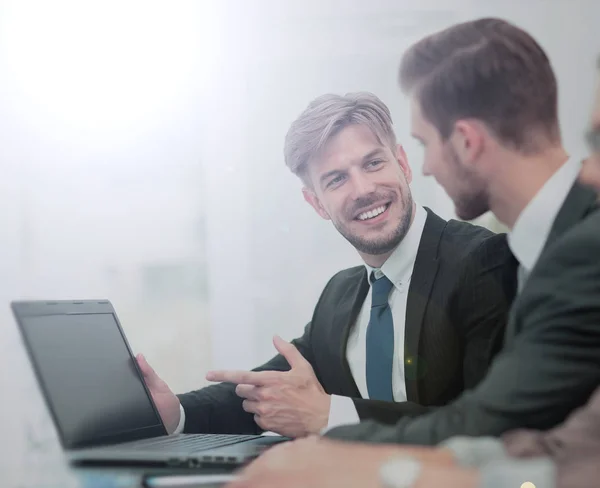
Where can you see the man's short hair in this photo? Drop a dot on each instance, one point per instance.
(325, 117)
(489, 70)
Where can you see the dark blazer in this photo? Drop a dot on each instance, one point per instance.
(463, 282)
(550, 362)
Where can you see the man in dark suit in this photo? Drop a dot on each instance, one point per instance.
(411, 329)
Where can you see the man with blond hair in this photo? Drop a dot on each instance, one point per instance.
(409, 330)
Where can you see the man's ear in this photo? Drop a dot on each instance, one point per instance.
(467, 140)
(311, 197)
(403, 162)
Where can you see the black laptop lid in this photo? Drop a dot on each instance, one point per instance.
(87, 372)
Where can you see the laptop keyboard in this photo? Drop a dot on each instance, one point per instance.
(189, 442)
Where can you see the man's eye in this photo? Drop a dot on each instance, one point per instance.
(375, 163)
(335, 181)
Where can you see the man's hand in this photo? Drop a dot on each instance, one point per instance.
(165, 400)
(291, 403)
(325, 463)
(311, 462)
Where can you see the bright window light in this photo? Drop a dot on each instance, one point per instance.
(106, 65)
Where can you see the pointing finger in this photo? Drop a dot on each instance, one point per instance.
(256, 378)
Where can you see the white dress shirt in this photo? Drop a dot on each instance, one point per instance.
(532, 228)
(398, 269)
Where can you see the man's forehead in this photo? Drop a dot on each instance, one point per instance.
(355, 141)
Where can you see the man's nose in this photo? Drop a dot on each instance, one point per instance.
(362, 185)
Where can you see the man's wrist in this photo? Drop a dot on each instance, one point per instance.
(320, 423)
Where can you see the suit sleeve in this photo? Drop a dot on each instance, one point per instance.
(388, 412)
(480, 304)
(217, 409)
(548, 370)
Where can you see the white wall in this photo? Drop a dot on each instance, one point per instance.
(141, 161)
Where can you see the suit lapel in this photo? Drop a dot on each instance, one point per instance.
(423, 277)
(580, 201)
(343, 320)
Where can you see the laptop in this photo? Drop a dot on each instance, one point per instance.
(99, 402)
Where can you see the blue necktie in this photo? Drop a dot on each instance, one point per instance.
(380, 342)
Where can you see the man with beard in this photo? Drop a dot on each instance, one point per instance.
(410, 329)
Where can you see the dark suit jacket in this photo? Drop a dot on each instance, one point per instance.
(463, 282)
(550, 363)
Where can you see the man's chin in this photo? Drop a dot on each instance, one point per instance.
(374, 247)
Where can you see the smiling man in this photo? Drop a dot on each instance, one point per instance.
(414, 326)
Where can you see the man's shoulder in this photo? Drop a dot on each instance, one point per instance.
(563, 289)
(344, 283)
(464, 241)
(587, 230)
(579, 244)
(468, 231)
(346, 276)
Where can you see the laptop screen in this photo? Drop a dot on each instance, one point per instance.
(89, 377)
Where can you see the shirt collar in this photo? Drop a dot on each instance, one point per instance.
(398, 267)
(532, 228)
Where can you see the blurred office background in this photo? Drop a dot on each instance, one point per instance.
(141, 161)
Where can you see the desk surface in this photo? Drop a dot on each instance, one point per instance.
(47, 468)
